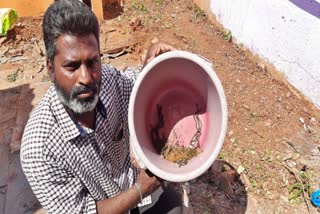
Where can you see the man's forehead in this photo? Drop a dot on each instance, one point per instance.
(67, 44)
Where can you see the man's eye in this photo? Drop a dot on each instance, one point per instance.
(93, 62)
(72, 66)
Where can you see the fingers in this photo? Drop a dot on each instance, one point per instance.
(150, 174)
(158, 49)
(163, 47)
(166, 48)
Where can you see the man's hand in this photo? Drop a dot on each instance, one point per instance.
(157, 49)
(148, 183)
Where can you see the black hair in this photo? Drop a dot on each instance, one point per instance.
(67, 17)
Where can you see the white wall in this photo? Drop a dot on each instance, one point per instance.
(280, 32)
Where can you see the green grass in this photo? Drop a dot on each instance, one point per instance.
(227, 35)
(254, 183)
(139, 6)
(296, 190)
(14, 76)
(160, 2)
(197, 12)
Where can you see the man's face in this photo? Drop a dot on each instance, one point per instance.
(77, 72)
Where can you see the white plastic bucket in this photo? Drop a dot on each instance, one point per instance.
(182, 84)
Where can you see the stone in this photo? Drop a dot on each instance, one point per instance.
(268, 123)
(296, 156)
(240, 169)
(246, 106)
(270, 196)
(135, 22)
(154, 40)
(284, 198)
(315, 152)
(288, 156)
(288, 95)
(313, 121)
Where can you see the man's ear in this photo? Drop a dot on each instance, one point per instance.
(50, 70)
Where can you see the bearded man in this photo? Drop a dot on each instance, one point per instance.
(75, 147)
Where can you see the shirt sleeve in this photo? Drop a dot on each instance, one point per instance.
(132, 73)
(57, 189)
(124, 81)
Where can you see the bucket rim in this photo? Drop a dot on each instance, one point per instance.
(145, 162)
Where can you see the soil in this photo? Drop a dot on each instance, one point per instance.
(270, 160)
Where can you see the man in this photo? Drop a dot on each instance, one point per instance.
(75, 149)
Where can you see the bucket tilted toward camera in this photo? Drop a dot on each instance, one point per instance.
(177, 101)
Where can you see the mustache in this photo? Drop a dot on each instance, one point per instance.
(81, 89)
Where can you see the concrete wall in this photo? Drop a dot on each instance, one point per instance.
(286, 33)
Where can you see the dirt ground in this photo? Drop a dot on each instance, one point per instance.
(270, 160)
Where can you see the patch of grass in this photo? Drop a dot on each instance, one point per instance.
(138, 6)
(245, 164)
(158, 1)
(296, 190)
(267, 156)
(259, 167)
(14, 76)
(227, 35)
(197, 12)
(240, 46)
(254, 183)
(306, 178)
(254, 116)
(225, 155)
(221, 156)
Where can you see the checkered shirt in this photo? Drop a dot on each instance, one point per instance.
(70, 167)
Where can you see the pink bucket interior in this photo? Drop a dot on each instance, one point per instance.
(176, 90)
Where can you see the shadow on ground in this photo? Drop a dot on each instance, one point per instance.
(16, 195)
(219, 190)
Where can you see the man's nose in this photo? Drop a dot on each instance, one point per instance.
(85, 76)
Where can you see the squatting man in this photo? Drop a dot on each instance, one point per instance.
(75, 148)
